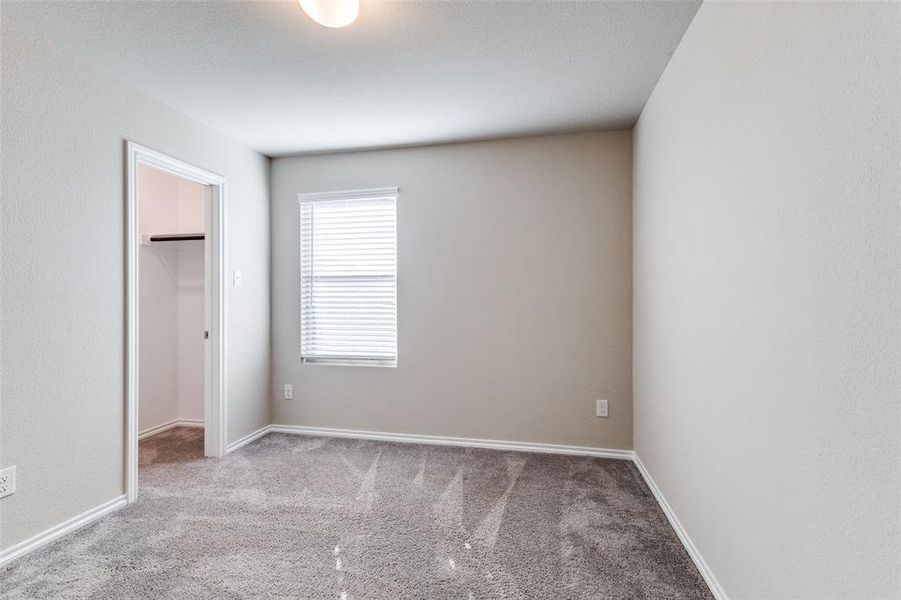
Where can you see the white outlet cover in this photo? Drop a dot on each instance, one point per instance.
(7, 481)
(602, 408)
(289, 391)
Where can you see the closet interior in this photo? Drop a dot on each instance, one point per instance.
(171, 323)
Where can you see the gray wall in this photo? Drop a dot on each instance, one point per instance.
(767, 290)
(63, 268)
(514, 292)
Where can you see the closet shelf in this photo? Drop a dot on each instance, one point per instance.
(149, 238)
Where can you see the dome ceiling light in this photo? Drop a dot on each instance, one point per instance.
(332, 13)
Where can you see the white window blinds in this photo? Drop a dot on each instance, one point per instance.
(348, 277)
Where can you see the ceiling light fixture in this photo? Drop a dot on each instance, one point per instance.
(331, 13)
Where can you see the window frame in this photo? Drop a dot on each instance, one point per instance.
(356, 194)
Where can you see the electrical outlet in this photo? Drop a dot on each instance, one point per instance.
(602, 408)
(7, 482)
(289, 391)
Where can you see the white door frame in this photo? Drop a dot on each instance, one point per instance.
(215, 414)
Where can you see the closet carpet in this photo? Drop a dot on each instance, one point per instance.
(307, 517)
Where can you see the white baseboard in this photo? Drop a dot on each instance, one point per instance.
(715, 588)
(439, 440)
(151, 431)
(250, 437)
(64, 528)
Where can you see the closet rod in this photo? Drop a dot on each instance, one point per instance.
(177, 237)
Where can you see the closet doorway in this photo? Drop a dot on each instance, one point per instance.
(175, 306)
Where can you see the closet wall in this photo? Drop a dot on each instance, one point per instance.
(171, 301)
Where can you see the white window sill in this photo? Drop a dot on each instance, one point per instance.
(350, 362)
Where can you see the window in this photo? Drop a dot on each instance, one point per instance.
(348, 277)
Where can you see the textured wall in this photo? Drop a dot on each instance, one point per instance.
(767, 290)
(63, 273)
(514, 292)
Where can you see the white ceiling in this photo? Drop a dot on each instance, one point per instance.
(404, 73)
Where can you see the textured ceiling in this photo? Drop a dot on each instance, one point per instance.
(404, 73)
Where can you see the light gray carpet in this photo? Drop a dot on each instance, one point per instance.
(306, 517)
